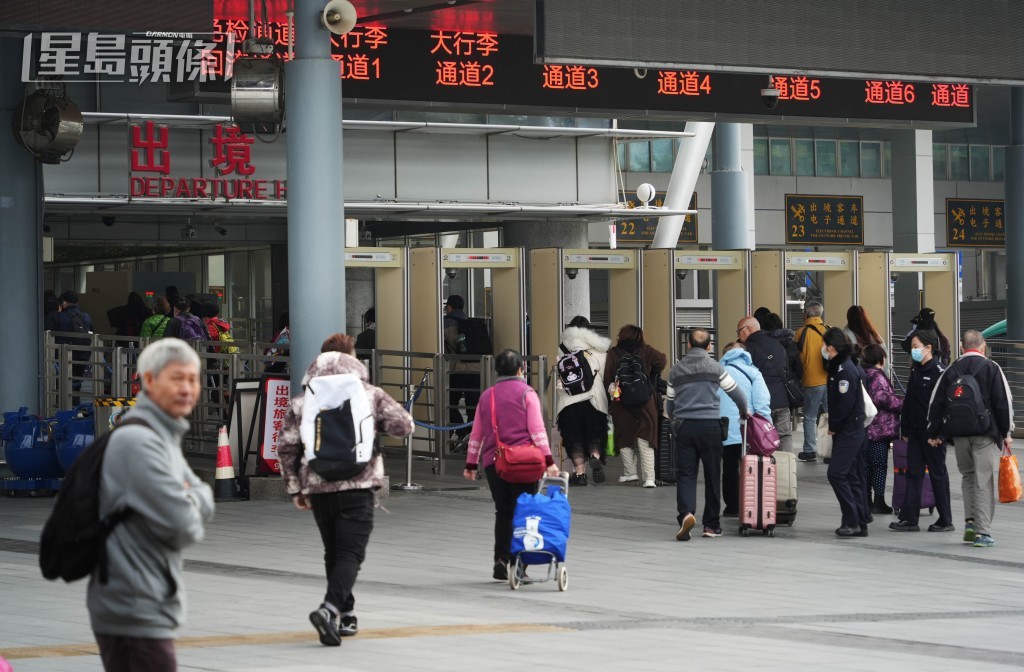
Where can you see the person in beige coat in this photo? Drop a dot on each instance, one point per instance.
(583, 416)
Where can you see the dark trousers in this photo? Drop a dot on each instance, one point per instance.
(345, 520)
(463, 385)
(731, 476)
(876, 467)
(504, 495)
(920, 455)
(698, 440)
(846, 475)
(136, 654)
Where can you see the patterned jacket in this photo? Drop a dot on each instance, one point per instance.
(391, 417)
(886, 425)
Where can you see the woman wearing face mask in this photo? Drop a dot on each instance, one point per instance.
(846, 426)
(924, 350)
(511, 408)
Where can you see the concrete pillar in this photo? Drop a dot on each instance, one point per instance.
(1015, 218)
(21, 254)
(316, 216)
(685, 171)
(913, 217)
(730, 217)
(531, 235)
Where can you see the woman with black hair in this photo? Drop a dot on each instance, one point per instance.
(883, 429)
(520, 421)
(846, 427)
(583, 414)
(924, 374)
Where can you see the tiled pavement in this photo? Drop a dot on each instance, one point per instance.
(637, 599)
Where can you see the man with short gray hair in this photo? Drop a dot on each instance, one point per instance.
(770, 359)
(135, 615)
(979, 440)
(810, 338)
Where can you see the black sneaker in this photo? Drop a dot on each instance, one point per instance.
(807, 457)
(348, 626)
(500, 571)
(577, 480)
(597, 469)
(323, 620)
(936, 527)
(904, 526)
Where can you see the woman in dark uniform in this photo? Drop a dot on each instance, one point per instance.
(924, 374)
(846, 426)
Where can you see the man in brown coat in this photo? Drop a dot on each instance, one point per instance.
(636, 427)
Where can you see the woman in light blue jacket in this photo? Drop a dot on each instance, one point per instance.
(737, 362)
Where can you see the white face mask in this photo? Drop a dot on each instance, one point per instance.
(824, 352)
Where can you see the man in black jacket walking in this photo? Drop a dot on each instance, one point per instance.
(977, 456)
(770, 359)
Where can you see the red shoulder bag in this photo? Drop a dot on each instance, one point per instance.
(524, 463)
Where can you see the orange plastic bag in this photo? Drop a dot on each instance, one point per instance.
(1010, 489)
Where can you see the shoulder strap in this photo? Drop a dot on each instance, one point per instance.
(731, 366)
(494, 420)
(563, 348)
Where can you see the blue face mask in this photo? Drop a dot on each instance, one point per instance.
(824, 352)
(917, 354)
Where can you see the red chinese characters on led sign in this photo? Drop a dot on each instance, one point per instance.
(462, 57)
(353, 62)
(797, 88)
(570, 77)
(889, 93)
(951, 95)
(672, 83)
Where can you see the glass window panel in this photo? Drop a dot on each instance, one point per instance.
(981, 169)
(804, 157)
(620, 151)
(662, 155)
(871, 159)
(760, 156)
(959, 163)
(782, 156)
(940, 166)
(237, 294)
(849, 158)
(998, 163)
(886, 159)
(639, 157)
(825, 158)
(264, 318)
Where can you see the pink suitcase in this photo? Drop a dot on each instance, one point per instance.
(758, 487)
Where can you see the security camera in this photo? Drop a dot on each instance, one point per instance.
(46, 228)
(681, 273)
(220, 229)
(571, 273)
(451, 273)
(791, 275)
(770, 97)
(894, 277)
(108, 221)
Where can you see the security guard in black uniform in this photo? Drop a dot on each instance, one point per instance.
(846, 426)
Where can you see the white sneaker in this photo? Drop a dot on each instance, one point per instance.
(628, 479)
(650, 484)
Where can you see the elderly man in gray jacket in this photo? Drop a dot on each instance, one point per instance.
(693, 405)
(136, 614)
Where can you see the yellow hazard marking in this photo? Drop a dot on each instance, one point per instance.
(113, 401)
(454, 630)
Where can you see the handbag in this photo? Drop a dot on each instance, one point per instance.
(1009, 478)
(794, 392)
(760, 436)
(524, 463)
(870, 410)
(824, 439)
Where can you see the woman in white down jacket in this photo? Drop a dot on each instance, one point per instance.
(582, 416)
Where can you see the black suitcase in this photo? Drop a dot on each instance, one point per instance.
(665, 458)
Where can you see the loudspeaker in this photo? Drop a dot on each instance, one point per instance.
(339, 16)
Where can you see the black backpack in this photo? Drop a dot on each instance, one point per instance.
(474, 337)
(574, 371)
(74, 540)
(966, 413)
(634, 386)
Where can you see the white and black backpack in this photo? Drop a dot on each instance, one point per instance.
(337, 428)
(574, 371)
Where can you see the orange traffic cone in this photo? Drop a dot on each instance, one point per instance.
(225, 488)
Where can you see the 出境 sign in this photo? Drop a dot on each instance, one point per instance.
(824, 220)
(975, 222)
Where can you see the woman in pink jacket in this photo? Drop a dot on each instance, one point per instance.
(519, 421)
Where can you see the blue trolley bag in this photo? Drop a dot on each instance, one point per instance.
(540, 526)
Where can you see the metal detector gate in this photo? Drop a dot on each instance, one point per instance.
(662, 269)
